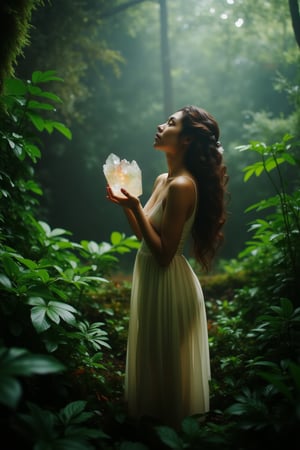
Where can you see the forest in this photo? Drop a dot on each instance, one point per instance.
(80, 79)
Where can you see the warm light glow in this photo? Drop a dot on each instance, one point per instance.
(121, 173)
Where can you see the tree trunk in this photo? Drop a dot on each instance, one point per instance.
(295, 16)
(14, 33)
(165, 60)
(165, 53)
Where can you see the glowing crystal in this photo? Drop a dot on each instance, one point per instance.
(123, 174)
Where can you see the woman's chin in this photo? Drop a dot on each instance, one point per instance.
(156, 145)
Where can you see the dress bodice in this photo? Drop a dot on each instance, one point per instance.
(155, 214)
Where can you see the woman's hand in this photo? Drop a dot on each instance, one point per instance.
(126, 200)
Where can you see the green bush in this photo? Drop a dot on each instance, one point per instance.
(46, 280)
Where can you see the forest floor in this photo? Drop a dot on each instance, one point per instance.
(113, 416)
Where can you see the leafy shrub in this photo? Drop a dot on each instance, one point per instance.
(45, 280)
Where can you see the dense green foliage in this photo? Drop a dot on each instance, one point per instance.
(64, 321)
(45, 279)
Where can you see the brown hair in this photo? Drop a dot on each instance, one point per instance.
(204, 161)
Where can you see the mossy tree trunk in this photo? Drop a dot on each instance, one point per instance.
(15, 16)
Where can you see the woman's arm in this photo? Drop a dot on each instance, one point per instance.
(130, 215)
(133, 223)
(178, 206)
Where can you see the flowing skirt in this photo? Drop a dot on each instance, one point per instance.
(167, 365)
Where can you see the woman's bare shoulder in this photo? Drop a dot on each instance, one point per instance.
(183, 182)
(182, 193)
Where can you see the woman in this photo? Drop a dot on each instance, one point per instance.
(167, 366)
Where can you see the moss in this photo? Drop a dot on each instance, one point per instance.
(15, 16)
(223, 286)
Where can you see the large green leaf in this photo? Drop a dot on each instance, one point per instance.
(53, 310)
(10, 391)
(14, 86)
(72, 410)
(33, 104)
(5, 281)
(18, 362)
(37, 121)
(116, 237)
(169, 437)
(62, 129)
(38, 318)
(43, 77)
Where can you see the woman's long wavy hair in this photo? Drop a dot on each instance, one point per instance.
(204, 161)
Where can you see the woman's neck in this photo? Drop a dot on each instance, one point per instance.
(175, 165)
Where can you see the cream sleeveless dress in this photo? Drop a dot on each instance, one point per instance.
(167, 365)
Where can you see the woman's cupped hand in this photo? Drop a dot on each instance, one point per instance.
(126, 200)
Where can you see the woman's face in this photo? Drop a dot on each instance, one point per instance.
(168, 136)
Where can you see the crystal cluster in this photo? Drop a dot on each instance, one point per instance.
(123, 174)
